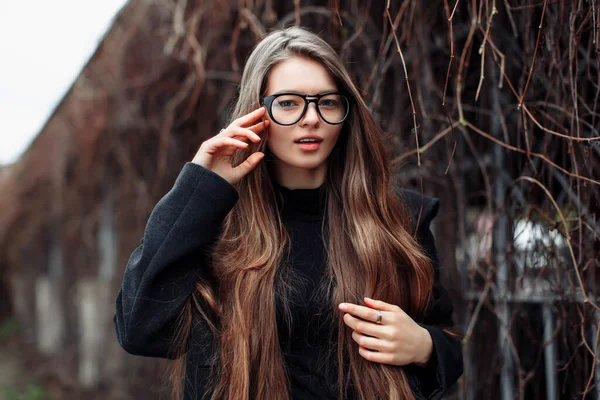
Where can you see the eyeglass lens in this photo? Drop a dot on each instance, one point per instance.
(287, 109)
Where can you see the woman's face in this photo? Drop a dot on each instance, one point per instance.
(296, 161)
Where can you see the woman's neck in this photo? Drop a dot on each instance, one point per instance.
(300, 178)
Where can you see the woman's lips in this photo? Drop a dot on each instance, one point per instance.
(309, 146)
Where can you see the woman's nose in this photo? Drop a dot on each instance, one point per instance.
(311, 117)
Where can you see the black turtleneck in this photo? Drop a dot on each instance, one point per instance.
(305, 340)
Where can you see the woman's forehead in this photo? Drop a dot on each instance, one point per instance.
(300, 74)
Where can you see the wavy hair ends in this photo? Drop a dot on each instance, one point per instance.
(370, 251)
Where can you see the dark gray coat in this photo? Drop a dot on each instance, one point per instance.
(162, 271)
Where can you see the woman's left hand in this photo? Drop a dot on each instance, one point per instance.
(397, 340)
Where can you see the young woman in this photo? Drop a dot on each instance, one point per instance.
(283, 263)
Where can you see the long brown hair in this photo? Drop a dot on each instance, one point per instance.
(370, 251)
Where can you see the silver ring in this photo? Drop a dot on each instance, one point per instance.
(379, 317)
(221, 130)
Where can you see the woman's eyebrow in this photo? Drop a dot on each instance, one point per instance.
(300, 92)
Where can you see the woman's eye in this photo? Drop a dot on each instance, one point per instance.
(286, 103)
(328, 103)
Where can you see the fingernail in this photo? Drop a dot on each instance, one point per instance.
(342, 306)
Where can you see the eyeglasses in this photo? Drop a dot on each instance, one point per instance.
(288, 108)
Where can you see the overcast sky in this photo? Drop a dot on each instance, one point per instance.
(43, 47)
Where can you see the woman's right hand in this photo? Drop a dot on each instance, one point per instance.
(217, 152)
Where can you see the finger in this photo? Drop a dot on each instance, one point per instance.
(366, 327)
(221, 142)
(250, 163)
(250, 118)
(381, 305)
(240, 133)
(366, 313)
(375, 356)
(371, 343)
(260, 126)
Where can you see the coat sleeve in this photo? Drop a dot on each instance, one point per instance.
(162, 271)
(446, 363)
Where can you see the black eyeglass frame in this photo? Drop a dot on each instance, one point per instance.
(268, 102)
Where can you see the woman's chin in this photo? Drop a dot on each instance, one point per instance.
(301, 162)
(306, 164)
